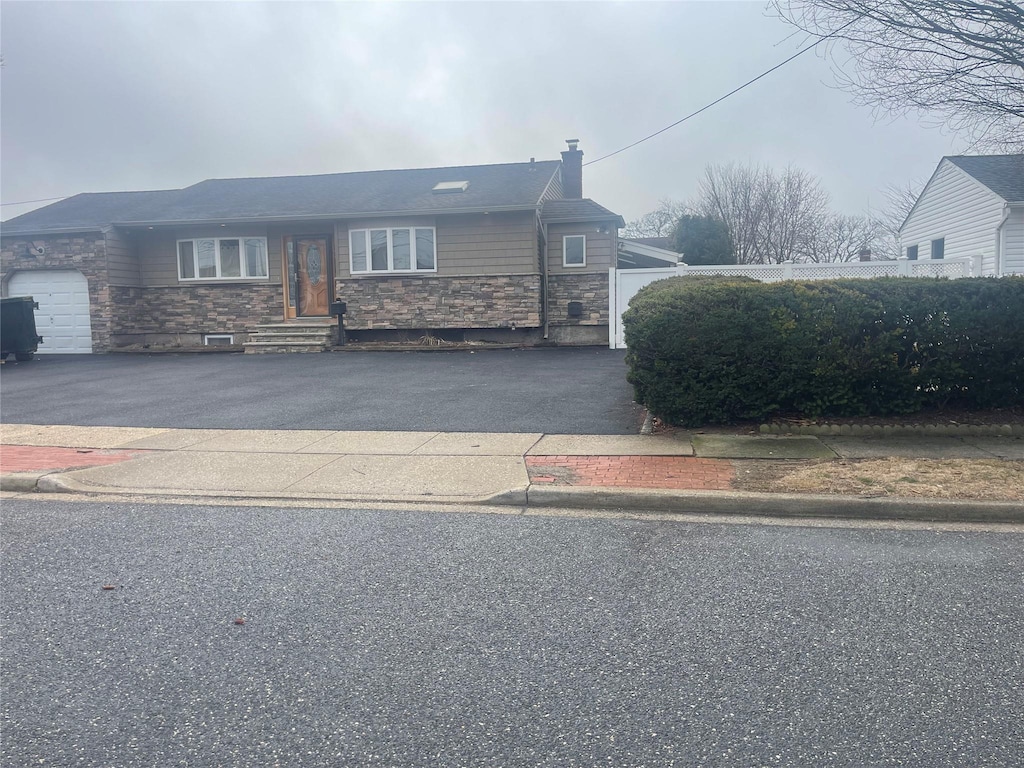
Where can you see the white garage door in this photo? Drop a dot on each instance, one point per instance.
(63, 315)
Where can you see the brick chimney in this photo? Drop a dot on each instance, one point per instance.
(572, 171)
(865, 254)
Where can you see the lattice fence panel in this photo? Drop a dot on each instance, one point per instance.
(937, 269)
(835, 271)
(766, 274)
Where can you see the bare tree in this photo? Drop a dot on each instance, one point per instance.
(736, 195)
(658, 223)
(899, 200)
(796, 206)
(842, 238)
(772, 217)
(961, 61)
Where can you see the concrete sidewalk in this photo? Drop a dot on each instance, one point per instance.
(677, 472)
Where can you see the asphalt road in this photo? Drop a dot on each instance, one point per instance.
(428, 639)
(551, 390)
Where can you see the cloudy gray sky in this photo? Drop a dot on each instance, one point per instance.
(148, 95)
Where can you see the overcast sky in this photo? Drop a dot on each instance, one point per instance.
(145, 95)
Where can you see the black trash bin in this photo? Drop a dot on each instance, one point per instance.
(18, 335)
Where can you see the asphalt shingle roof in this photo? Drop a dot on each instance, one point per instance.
(1003, 174)
(665, 243)
(571, 209)
(509, 185)
(90, 210)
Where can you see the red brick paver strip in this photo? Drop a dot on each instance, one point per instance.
(674, 472)
(35, 458)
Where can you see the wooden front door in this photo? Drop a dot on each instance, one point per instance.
(308, 261)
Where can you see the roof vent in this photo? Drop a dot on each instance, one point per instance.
(450, 186)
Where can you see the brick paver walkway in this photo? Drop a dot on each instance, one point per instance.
(676, 472)
(34, 458)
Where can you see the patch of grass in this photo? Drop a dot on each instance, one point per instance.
(982, 479)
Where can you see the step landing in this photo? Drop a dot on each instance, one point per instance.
(292, 336)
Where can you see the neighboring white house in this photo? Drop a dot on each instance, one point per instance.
(973, 205)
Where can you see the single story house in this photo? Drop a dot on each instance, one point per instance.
(973, 205)
(490, 252)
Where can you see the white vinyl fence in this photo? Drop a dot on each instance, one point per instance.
(624, 283)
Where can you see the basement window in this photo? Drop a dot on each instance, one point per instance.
(450, 186)
(218, 339)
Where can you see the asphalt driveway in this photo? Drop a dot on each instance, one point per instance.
(553, 390)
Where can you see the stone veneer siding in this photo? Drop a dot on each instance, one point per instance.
(86, 252)
(590, 288)
(190, 311)
(480, 301)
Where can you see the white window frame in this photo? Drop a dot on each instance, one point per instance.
(243, 261)
(207, 338)
(365, 232)
(565, 263)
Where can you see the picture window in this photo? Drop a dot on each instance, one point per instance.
(392, 249)
(222, 258)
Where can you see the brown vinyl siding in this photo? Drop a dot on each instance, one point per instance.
(341, 265)
(469, 244)
(498, 243)
(157, 259)
(122, 263)
(158, 253)
(600, 246)
(502, 243)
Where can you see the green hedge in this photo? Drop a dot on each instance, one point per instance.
(719, 350)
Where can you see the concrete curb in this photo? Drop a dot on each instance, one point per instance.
(779, 504)
(58, 483)
(21, 482)
(710, 503)
(894, 430)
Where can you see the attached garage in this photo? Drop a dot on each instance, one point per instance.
(63, 315)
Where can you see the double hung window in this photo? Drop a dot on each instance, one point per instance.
(392, 249)
(222, 258)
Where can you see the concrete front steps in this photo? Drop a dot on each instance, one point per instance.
(292, 336)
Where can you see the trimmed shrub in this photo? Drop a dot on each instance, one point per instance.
(721, 349)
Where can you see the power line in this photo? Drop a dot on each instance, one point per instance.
(44, 200)
(801, 52)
